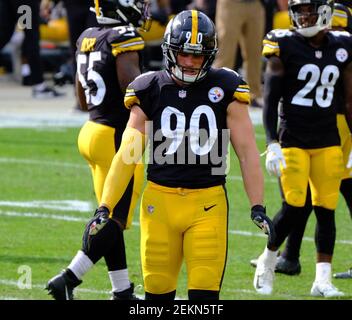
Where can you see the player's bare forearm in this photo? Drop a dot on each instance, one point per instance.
(123, 165)
(253, 179)
(243, 141)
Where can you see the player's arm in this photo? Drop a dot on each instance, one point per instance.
(127, 68)
(273, 86)
(129, 154)
(81, 95)
(347, 81)
(243, 141)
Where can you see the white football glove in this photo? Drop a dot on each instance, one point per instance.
(274, 158)
(349, 162)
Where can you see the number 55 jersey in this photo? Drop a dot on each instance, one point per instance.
(312, 86)
(96, 53)
(188, 130)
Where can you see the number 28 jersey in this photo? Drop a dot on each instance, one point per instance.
(96, 53)
(188, 132)
(312, 86)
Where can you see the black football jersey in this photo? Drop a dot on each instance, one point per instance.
(188, 136)
(96, 53)
(312, 86)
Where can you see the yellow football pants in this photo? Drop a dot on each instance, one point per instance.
(179, 223)
(322, 167)
(345, 136)
(98, 144)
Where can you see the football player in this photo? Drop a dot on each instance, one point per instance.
(288, 261)
(309, 69)
(108, 58)
(191, 111)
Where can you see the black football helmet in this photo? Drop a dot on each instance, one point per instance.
(192, 32)
(126, 12)
(309, 24)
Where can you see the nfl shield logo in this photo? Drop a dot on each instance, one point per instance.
(318, 54)
(150, 209)
(182, 94)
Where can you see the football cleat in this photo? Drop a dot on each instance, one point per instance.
(283, 265)
(344, 275)
(61, 286)
(325, 289)
(264, 277)
(289, 267)
(127, 294)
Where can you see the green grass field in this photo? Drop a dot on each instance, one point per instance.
(46, 196)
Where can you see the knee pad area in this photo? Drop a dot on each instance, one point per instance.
(295, 198)
(204, 278)
(159, 284)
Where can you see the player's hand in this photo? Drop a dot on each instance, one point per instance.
(349, 162)
(94, 225)
(263, 222)
(274, 158)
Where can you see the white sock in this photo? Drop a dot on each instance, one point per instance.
(269, 257)
(25, 70)
(323, 272)
(80, 264)
(119, 280)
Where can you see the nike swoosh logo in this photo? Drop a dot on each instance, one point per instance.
(208, 208)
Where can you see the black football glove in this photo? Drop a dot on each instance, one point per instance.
(98, 222)
(263, 222)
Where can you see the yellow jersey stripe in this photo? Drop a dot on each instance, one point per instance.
(243, 87)
(117, 51)
(130, 100)
(123, 43)
(272, 43)
(194, 27)
(269, 50)
(242, 96)
(136, 46)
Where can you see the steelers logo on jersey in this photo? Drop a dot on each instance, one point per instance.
(341, 55)
(215, 94)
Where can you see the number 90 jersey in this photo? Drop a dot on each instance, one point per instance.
(312, 86)
(96, 53)
(188, 133)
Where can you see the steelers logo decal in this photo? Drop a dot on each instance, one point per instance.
(215, 94)
(341, 55)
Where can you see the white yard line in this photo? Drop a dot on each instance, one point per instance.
(78, 219)
(61, 205)
(85, 167)
(41, 162)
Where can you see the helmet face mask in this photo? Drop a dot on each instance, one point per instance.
(189, 32)
(310, 16)
(124, 12)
